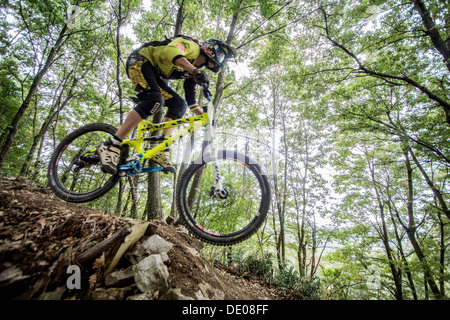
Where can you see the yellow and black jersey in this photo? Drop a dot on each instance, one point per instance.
(162, 56)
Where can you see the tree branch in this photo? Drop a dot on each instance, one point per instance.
(432, 31)
(444, 104)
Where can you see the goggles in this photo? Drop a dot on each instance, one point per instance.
(220, 54)
(218, 60)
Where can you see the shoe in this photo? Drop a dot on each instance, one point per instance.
(109, 156)
(163, 158)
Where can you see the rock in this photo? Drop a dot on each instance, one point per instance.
(170, 220)
(120, 278)
(56, 294)
(207, 292)
(138, 230)
(151, 229)
(155, 244)
(192, 251)
(110, 293)
(141, 296)
(151, 245)
(11, 275)
(164, 257)
(151, 275)
(197, 244)
(175, 294)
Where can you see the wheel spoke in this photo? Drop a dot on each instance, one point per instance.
(75, 171)
(235, 215)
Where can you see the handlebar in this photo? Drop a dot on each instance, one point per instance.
(207, 92)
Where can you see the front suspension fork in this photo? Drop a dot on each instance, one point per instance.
(217, 190)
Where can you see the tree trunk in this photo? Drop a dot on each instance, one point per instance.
(10, 132)
(432, 31)
(38, 137)
(120, 20)
(133, 181)
(437, 193)
(383, 233)
(153, 209)
(411, 230)
(180, 18)
(58, 106)
(219, 85)
(119, 199)
(402, 254)
(301, 250)
(442, 254)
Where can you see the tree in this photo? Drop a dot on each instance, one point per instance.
(45, 14)
(382, 65)
(344, 104)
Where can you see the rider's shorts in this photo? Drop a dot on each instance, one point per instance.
(144, 77)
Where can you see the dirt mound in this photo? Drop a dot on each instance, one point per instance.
(40, 236)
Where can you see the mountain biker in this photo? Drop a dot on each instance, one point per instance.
(181, 57)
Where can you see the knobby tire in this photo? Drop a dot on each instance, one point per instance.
(247, 228)
(58, 187)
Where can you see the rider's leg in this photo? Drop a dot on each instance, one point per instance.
(176, 109)
(167, 131)
(146, 88)
(131, 121)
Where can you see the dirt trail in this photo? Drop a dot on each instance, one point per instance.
(40, 235)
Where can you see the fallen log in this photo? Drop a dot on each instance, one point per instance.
(99, 248)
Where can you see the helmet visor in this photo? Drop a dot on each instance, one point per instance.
(216, 68)
(220, 55)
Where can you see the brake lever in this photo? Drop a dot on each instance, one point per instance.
(207, 92)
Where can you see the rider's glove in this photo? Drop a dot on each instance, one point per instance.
(201, 77)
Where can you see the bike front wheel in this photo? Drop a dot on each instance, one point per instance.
(74, 171)
(227, 219)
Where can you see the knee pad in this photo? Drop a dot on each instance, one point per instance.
(150, 103)
(177, 110)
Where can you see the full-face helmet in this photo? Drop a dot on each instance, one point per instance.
(217, 52)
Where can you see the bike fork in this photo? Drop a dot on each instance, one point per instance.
(218, 190)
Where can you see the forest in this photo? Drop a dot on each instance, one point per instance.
(345, 104)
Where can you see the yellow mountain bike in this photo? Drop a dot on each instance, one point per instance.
(223, 196)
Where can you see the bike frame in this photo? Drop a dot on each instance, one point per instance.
(144, 126)
(196, 122)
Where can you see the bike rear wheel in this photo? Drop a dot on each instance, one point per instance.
(74, 172)
(224, 221)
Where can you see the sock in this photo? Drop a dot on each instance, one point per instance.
(116, 141)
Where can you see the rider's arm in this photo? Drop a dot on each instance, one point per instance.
(197, 111)
(185, 64)
(163, 57)
(189, 90)
(179, 52)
